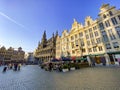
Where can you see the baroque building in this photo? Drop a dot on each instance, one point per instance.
(46, 49)
(11, 55)
(97, 40)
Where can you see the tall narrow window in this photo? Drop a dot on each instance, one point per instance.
(81, 34)
(96, 33)
(91, 35)
(105, 37)
(94, 49)
(118, 30)
(100, 48)
(93, 41)
(101, 26)
(95, 27)
(87, 36)
(82, 42)
(110, 12)
(98, 40)
(90, 30)
(88, 43)
(107, 23)
(75, 35)
(111, 34)
(114, 21)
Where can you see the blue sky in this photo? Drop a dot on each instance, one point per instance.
(22, 22)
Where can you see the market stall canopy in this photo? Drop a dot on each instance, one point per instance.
(55, 60)
(73, 58)
(66, 59)
(83, 58)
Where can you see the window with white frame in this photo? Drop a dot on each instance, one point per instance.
(94, 49)
(82, 42)
(105, 37)
(100, 48)
(90, 30)
(98, 40)
(95, 27)
(107, 23)
(101, 26)
(111, 34)
(114, 21)
(88, 43)
(90, 49)
(93, 41)
(91, 35)
(118, 30)
(108, 46)
(96, 33)
(87, 36)
(115, 45)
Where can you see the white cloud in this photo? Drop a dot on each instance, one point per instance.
(12, 20)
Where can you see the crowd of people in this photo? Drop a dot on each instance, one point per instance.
(14, 66)
(52, 66)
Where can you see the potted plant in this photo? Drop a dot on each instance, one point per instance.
(65, 68)
(72, 66)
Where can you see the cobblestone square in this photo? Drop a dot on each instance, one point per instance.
(32, 77)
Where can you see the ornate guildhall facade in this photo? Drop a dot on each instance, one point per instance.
(96, 39)
(11, 55)
(46, 49)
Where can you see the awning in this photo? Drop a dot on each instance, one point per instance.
(55, 60)
(66, 59)
(113, 52)
(101, 54)
(81, 58)
(73, 58)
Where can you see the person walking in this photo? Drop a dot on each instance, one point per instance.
(19, 66)
(5, 68)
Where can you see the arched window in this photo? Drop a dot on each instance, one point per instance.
(110, 12)
(104, 16)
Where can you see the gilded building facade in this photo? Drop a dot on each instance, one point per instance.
(46, 49)
(11, 55)
(97, 39)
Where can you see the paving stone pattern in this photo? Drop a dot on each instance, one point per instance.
(34, 78)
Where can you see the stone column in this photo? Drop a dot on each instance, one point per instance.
(116, 62)
(107, 59)
(89, 61)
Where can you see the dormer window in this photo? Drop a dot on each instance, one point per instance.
(104, 16)
(110, 12)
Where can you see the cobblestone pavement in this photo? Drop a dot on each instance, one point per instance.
(35, 78)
